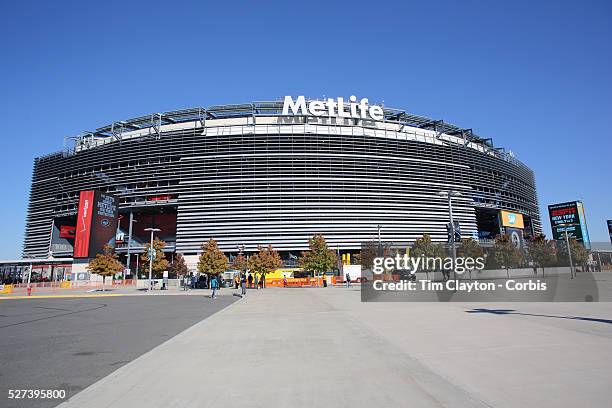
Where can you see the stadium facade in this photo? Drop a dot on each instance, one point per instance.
(276, 173)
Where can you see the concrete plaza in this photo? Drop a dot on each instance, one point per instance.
(323, 347)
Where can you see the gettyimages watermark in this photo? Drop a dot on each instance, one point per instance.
(500, 272)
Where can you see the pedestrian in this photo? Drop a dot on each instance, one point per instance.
(186, 282)
(256, 281)
(285, 281)
(193, 281)
(213, 286)
(263, 281)
(236, 281)
(243, 281)
(348, 280)
(250, 280)
(324, 281)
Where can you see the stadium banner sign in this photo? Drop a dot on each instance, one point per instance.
(97, 219)
(331, 107)
(512, 220)
(610, 229)
(569, 217)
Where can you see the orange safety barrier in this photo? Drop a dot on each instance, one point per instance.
(297, 282)
(52, 286)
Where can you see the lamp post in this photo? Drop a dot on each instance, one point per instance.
(151, 252)
(26, 255)
(29, 288)
(450, 194)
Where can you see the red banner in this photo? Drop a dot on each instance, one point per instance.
(83, 227)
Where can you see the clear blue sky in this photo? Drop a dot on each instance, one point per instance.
(534, 76)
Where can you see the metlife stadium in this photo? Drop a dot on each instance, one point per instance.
(278, 172)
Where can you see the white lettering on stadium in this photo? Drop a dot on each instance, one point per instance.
(331, 107)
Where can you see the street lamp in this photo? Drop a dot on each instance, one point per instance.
(450, 194)
(153, 231)
(26, 255)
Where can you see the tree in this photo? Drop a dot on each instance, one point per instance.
(579, 253)
(367, 255)
(160, 263)
(319, 258)
(179, 268)
(105, 264)
(212, 261)
(240, 263)
(369, 251)
(506, 254)
(265, 261)
(542, 252)
(469, 248)
(425, 247)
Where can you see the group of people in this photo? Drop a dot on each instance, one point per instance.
(252, 281)
(243, 281)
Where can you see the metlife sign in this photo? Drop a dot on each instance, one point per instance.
(333, 107)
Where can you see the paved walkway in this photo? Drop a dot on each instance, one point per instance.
(324, 348)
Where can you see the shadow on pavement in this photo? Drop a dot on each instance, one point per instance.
(514, 312)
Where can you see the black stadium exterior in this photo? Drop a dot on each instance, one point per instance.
(277, 173)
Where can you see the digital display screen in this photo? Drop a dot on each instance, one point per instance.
(568, 217)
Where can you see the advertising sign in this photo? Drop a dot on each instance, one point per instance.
(83, 227)
(610, 229)
(67, 231)
(516, 237)
(96, 223)
(569, 217)
(512, 220)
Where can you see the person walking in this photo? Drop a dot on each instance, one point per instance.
(193, 281)
(348, 280)
(256, 281)
(250, 280)
(213, 285)
(263, 281)
(243, 281)
(236, 281)
(186, 282)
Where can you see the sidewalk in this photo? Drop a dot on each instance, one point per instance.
(322, 348)
(275, 348)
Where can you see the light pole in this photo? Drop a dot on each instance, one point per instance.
(26, 255)
(151, 252)
(29, 289)
(450, 194)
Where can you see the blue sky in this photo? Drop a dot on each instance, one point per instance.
(534, 76)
